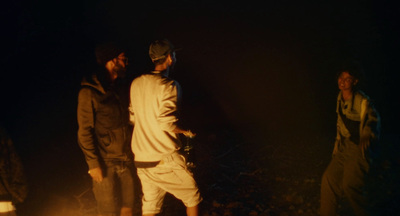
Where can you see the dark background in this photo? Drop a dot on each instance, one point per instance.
(265, 70)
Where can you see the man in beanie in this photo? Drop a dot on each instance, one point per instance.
(153, 109)
(104, 132)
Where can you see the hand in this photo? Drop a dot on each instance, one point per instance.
(189, 134)
(364, 144)
(96, 174)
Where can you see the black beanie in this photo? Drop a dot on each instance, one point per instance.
(106, 52)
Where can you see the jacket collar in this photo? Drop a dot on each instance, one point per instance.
(94, 83)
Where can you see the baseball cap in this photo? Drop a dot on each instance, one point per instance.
(160, 49)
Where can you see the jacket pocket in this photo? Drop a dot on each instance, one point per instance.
(105, 138)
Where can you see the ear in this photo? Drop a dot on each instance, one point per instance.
(169, 59)
(355, 82)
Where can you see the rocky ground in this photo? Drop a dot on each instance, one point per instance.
(273, 179)
(283, 180)
(281, 177)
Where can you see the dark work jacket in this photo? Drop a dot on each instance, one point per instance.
(13, 185)
(104, 132)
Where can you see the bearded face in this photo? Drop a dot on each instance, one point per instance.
(119, 69)
(120, 65)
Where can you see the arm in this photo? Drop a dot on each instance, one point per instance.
(86, 136)
(337, 142)
(338, 137)
(186, 133)
(130, 108)
(131, 115)
(168, 118)
(370, 125)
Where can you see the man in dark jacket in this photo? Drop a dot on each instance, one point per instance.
(104, 132)
(13, 185)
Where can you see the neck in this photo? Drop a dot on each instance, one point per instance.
(164, 70)
(346, 95)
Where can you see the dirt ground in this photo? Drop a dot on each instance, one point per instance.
(283, 178)
(236, 178)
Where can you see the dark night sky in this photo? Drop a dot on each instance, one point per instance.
(263, 68)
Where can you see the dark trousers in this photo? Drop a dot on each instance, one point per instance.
(117, 190)
(346, 175)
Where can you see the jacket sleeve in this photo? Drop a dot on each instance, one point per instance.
(86, 136)
(370, 121)
(338, 138)
(131, 115)
(168, 116)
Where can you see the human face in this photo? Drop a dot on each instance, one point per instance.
(346, 82)
(121, 62)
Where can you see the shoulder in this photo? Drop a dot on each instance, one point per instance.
(142, 81)
(361, 98)
(154, 81)
(170, 85)
(361, 95)
(88, 93)
(91, 84)
(86, 90)
(168, 81)
(339, 96)
(157, 78)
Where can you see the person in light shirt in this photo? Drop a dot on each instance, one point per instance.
(154, 108)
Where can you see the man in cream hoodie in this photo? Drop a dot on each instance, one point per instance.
(154, 100)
